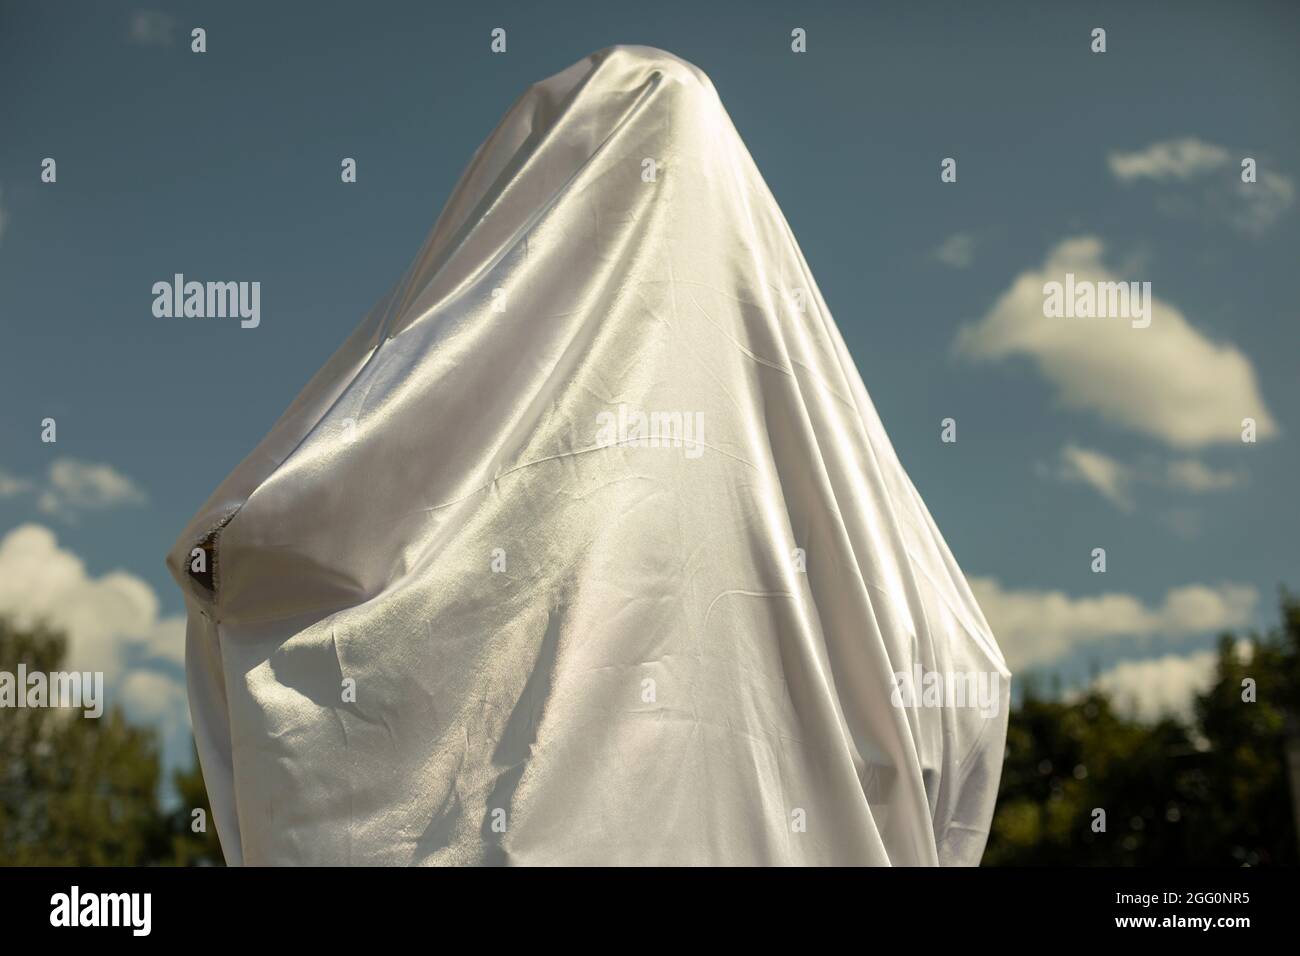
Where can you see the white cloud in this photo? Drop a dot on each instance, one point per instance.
(1111, 479)
(165, 640)
(1188, 474)
(1183, 522)
(72, 487)
(1180, 159)
(104, 617)
(958, 251)
(1168, 380)
(155, 698)
(1160, 686)
(112, 624)
(83, 486)
(1115, 481)
(12, 486)
(1264, 202)
(1214, 174)
(1035, 627)
(151, 28)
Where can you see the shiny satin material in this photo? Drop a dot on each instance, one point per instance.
(568, 644)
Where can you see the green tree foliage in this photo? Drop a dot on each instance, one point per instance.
(1213, 793)
(85, 792)
(190, 846)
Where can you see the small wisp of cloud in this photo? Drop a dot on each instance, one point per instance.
(1208, 182)
(957, 251)
(152, 28)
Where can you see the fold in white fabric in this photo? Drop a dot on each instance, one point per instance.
(589, 547)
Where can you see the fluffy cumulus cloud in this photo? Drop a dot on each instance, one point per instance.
(77, 485)
(112, 623)
(1202, 180)
(1168, 380)
(109, 619)
(73, 486)
(154, 698)
(1176, 159)
(1161, 686)
(1036, 627)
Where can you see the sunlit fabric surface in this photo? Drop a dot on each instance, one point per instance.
(567, 649)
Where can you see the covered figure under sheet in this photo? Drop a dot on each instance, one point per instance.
(589, 546)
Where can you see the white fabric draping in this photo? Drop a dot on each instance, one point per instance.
(589, 547)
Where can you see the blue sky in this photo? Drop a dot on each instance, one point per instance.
(1125, 163)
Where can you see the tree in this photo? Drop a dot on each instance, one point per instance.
(76, 791)
(190, 847)
(1211, 792)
